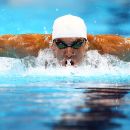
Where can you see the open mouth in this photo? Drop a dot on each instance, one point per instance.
(69, 62)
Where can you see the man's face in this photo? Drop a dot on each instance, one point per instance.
(69, 49)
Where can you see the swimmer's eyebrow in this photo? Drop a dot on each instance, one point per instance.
(79, 40)
(58, 40)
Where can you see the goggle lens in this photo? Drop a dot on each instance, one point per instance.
(76, 44)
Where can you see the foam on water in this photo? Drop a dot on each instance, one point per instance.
(96, 68)
(94, 64)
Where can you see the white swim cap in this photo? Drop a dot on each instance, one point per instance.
(69, 26)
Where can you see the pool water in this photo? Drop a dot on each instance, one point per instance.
(92, 96)
(63, 106)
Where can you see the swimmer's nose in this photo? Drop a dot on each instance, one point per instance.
(69, 52)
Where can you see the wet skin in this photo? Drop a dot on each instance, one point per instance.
(75, 56)
(20, 46)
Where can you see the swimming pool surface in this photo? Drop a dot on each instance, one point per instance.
(93, 96)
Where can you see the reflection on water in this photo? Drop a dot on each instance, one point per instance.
(101, 107)
(64, 107)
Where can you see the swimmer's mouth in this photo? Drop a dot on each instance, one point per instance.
(69, 62)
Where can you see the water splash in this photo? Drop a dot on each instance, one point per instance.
(96, 68)
(68, 62)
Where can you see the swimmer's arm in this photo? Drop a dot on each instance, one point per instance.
(111, 44)
(19, 46)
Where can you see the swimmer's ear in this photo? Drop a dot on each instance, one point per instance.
(50, 44)
(86, 45)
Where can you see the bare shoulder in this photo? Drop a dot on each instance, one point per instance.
(23, 44)
(111, 44)
(109, 38)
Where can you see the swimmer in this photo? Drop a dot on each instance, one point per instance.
(69, 42)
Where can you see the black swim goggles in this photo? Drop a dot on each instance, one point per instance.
(75, 44)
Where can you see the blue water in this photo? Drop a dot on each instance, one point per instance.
(101, 17)
(90, 97)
